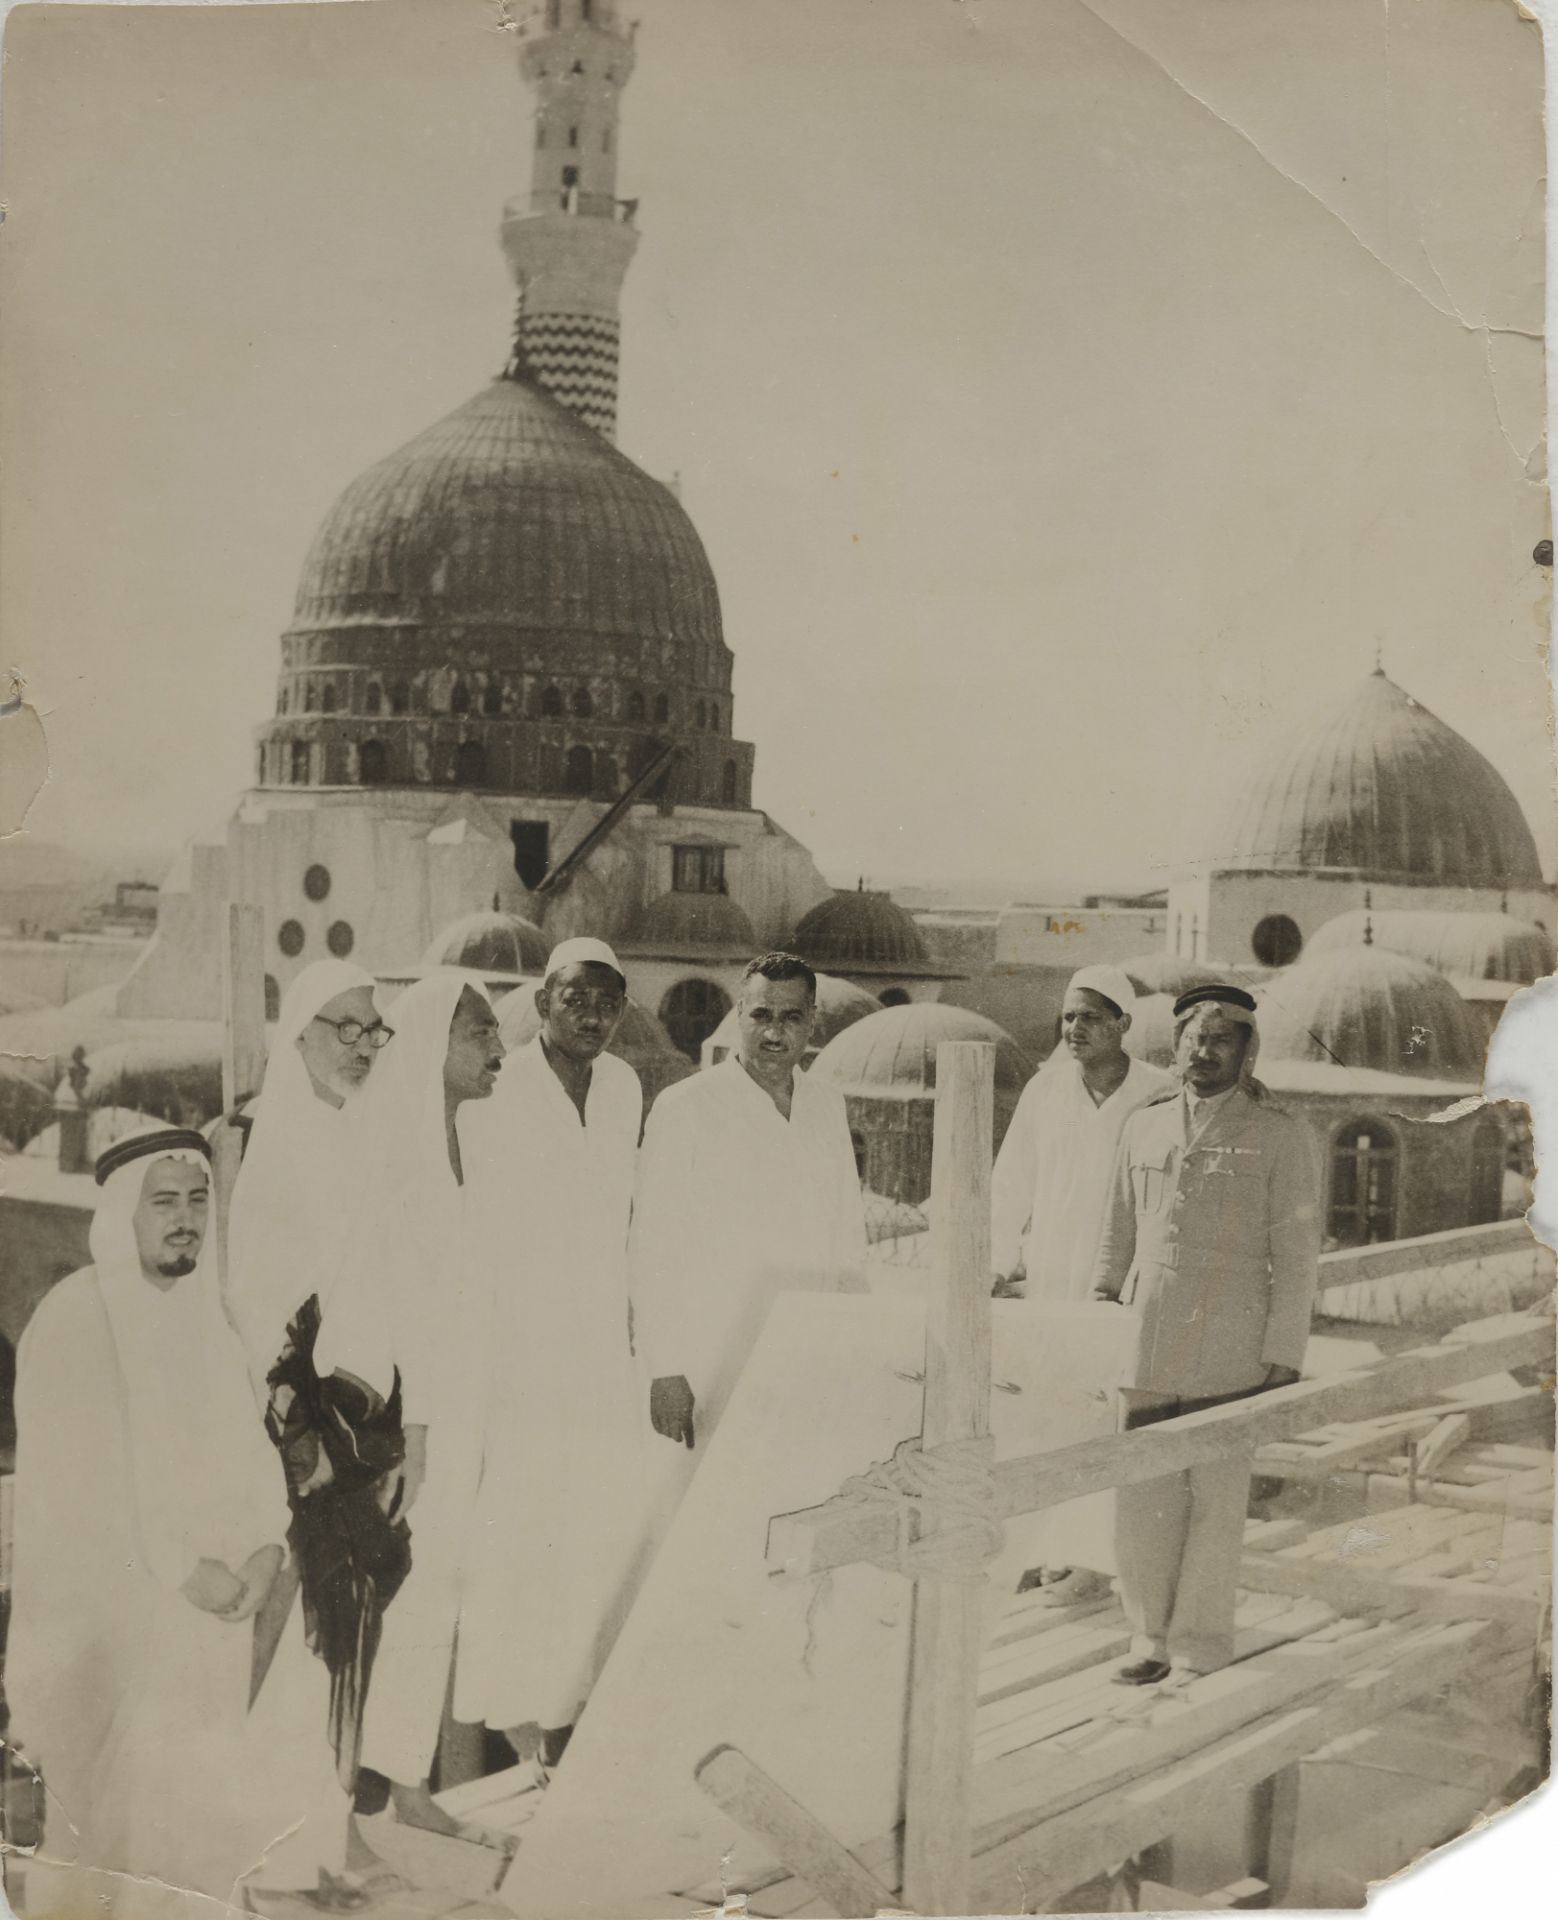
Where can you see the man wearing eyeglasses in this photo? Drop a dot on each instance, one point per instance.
(561, 1510)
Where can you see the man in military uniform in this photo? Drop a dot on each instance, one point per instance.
(1212, 1238)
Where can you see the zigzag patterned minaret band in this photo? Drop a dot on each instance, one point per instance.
(569, 245)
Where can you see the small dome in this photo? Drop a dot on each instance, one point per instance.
(678, 921)
(1370, 1008)
(1473, 946)
(490, 943)
(1375, 786)
(1150, 1036)
(1170, 973)
(860, 932)
(892, 1053)
(839, 1005)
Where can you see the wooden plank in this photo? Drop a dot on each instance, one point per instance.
(1152, 1896)
(1273, 1830)
(1016, 1793)
(948, 1629)
(839, 1532)
(1356, 1591)
(1037, 1867)
(1451, 1432)
(1349, 1264)
(741, 1788)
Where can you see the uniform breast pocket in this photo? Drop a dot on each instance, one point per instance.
(1150, 1181)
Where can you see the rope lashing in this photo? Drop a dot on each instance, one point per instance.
(944, 1504)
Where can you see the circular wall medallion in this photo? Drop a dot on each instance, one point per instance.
(340, 939)
(316, 882)
(1276, 941)
(289, 938)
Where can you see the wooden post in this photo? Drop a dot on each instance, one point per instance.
(243, 1054)
(949, 1616)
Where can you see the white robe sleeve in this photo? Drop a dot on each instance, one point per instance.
(664, 1254)
(847, 1212)
(78, 1586)
(1012, 1184)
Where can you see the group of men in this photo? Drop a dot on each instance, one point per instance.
(473, 1336)
(410, 1456)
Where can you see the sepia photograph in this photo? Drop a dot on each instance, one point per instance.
(777, 854)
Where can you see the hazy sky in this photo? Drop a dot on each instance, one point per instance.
(1062, 391)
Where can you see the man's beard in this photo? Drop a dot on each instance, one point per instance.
(177, 1268)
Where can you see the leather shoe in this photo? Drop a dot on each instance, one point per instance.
(1142, 1673)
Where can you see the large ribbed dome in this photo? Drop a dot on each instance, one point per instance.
(892, 1054)
(1372, 785)
(860, 932)
(490, 943)
(700, 922)
(1366, 1007)
(1471, 946)
(510, 510)
(508, 604)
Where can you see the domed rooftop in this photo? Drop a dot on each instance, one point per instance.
(511, 511)
(1150, 1036)
(1373, 785)
(1475, 946)
(892, 1053)
(860, 932)
(839, 1005)
(699, 921)
(1172, 974)
(490, 943)
(1365, 1007)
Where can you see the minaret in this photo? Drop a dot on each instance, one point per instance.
(569, 245)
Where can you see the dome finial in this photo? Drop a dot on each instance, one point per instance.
(1503, 904)
(1379, 656)
(1368, 917)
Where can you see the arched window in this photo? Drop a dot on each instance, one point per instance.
(579, 771)
(470, 764)
(605, 775)
(372, 764)
(373, 701)
(662, 709)
(702, 716)
(713, 716)
(1362, 1205)
(551, 704)
(400, 699)
(460, 698)
(894, 997)
(691, 1011)
(1487, 1171)
(300, 763)
(1276, 941)
(327, 698)
(272, 998)
(492, 698)
(283, 698)
(635, 706)
(583, 705)
(727, 783)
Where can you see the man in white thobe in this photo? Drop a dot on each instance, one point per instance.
(1047, 1200)
(561, 1513)
(411, 1317)
(747, 1185)
(149, 1520)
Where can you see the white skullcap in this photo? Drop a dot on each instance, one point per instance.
(584, 950)
(1111, 982)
